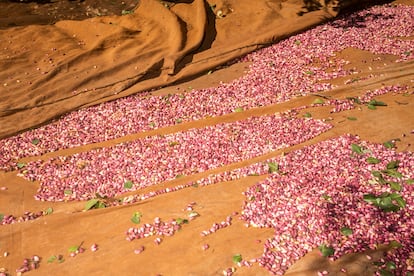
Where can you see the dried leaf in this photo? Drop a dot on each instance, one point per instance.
(174, 143)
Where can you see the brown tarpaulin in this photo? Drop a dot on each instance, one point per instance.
(74, 64)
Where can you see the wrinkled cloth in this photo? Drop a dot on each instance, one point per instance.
(49, 70)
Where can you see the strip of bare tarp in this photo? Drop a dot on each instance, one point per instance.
(49, 70)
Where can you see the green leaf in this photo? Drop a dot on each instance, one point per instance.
(152, 124)
(325, 250)
(400, 201)
(378, 263)
(179, 121)
(410, 181)
(379, 178)
(393, 164)
(373, 160)
(309, 72)
(370, 198)
(179, 176)
(391, 265)
(384, 272)
(181, 221)
(136, 217)
(376, 173)
(48, 211)
(91, 204)
(318, 101)
(21, 165)
(393, 173)
(395, 244)
(297, 42)
(372, 107)
(35, 141)
(346, 231)
(52, 259)
(128, 184)
(354, 99)
(352, 118)
(327, 197)
(100, 205)
(67, 192)
(376, 103)
(307, 115)
(273, 167)
(357, 149)
(385, 201)
(1, 216)
(237, 258)
(395, 186)
(73, 248)
(125, 12)
(387, 205)
(239, 109)
(389, 144)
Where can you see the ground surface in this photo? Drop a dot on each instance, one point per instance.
(23, 13)
(186, 253)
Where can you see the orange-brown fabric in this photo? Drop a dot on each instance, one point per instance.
(48, 70)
